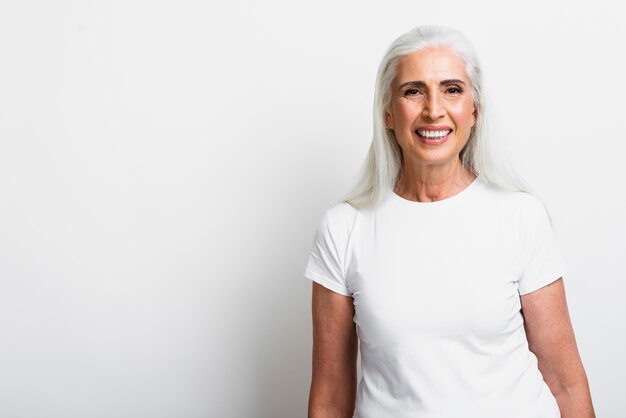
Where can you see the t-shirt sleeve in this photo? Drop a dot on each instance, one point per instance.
(543, 261)
(325, 264)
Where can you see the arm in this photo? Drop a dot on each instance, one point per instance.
(551, 339)
(333, 383)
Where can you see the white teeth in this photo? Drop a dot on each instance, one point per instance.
(434, 134)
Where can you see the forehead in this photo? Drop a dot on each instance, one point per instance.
(430, 65)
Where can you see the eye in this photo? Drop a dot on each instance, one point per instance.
(411, 92)
(455, 90)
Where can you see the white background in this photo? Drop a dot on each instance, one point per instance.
(163, 165)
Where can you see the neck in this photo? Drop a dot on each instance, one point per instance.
(432, 183)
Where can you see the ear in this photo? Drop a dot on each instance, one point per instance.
(388, 119)
(475, 115)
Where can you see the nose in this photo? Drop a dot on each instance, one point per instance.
(433, 108)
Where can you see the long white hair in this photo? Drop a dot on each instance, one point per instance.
(483, 154)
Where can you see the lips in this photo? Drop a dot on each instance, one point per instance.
(434, 127)
(432, 133)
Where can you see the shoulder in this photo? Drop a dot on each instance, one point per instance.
(530, 212)
(342, 210)
(341, 218)
(530, 206)
(520, 207)
(518, 201)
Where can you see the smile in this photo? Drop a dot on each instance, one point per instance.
(433, 137)
(433, 134)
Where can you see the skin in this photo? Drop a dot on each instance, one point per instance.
(551, 338)
(335, 343)
(430, 173)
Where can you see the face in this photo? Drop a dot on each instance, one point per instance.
(431, 110)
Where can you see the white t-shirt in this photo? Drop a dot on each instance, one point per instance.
(436, 289)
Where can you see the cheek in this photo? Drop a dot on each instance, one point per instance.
(404, 114)
(464, 114)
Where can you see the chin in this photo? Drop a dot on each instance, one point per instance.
(436, 159)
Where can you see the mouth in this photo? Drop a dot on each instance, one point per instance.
(433, 137)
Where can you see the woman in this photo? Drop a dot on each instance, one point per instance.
(440, 264)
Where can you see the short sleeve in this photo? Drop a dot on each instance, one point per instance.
(543, 261)
(325, 264)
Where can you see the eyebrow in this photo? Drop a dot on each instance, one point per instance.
(422, 84)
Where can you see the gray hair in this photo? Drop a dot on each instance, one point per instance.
(483, 154)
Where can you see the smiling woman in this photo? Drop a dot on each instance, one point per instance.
(440, 267)
(430, 106)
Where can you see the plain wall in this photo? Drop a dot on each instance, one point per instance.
(163, 165)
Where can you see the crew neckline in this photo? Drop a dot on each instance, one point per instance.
(463, 194)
